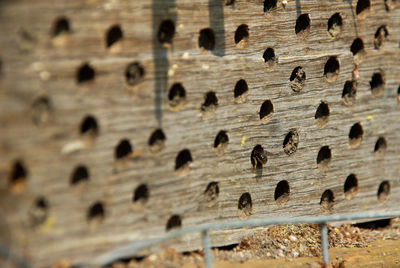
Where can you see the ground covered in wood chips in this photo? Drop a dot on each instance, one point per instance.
(283, 241)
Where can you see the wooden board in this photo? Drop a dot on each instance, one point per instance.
(43, 106)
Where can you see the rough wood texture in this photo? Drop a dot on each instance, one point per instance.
(35, 65)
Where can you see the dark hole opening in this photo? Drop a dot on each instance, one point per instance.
(227, 247)
(157, 137)
(327, 200)
(229, 2)
(134, 73)
(349, 92)
(89, 126)
(176, 95)
(380, 36)
(210, 99)
(267, 108)
(269, 55)
(183, 159)
(383, 191)
(60, 26)
(350, 186)
(297, 79)
(38, 212)
(211, 193)
(123, 149)
(245, 205)
(302, 23)
(41, 203)
(96, 211)
(141, 193)
(80, 174)
(362, 5)
(240, 88)
(282, 192)
(258, 157)
(357, 46)
(174, 222)
(322, 110)
(242, 33)
(207, 39)
(269, 5)
(355, 134)
(166, 32)
(324, 156)
(377, 84)
(380, 145)
(85, 73)
(221, 138)
(335, 23)
(291, 142)
(114, 35)
(331, 66)
(18, 172)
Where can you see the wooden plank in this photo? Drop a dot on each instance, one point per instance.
(35, 64)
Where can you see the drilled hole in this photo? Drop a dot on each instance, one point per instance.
(176, 96)
(324, 157)
(173, 222)
(157, 141)
(229, 2)
(269, 5)
(302, 27)
(377, 84)
(362, 8)
(38, 213)
(166, 32)
(357, 48)
(297, 79)
(383, 191)
(211, 194)
(41, 110)
(79, 175)
(96, 213)
(245, 206)
(335, 24)
(350, 187)
(17, 177)
(270, 59)
(282, 192)
(61, 26)
(242, 36)
(85, 73)
(258, 157)
(123, 149)
(349, 92)
(381, 36)
(209, 105)
(331, 69)
(141, 194)
(380, 146)
(89, 126)
(266, 110)
(322, 115)
(391, 4)
(134, 73)
(114, 35)
(355, 135)
(241, 91)
(398, 95)
(327, 200)
(183, 159)
(291, 142)
(207, 39)
(221, 142)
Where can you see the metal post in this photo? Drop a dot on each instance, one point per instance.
(324, 244)
(208, 258)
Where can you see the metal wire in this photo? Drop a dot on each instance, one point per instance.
(135, 247)
(324, 243)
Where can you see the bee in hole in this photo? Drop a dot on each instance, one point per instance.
(258, 157)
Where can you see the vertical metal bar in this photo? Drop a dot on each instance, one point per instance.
(324, 244)
(208, 258)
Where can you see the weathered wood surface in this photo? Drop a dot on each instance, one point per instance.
(34, 65)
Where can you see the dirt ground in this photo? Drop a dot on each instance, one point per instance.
(373, 244)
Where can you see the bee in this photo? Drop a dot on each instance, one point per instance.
(258, 157)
